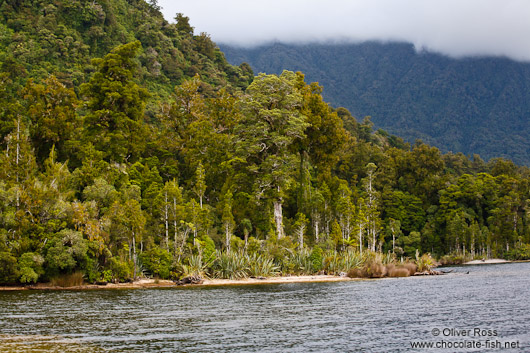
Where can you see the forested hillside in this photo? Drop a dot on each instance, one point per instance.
(472, 105)
(111, 170)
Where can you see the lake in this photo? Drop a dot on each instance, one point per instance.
(486, 309)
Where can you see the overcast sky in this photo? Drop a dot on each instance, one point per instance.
(453, 27)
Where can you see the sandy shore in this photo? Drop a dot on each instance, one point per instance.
(486, 262)
(153, 283)
(272, 280)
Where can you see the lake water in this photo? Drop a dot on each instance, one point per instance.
(385, 315)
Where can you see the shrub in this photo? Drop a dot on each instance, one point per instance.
(254, 245)
(316, 259)
(195, 267)
(425, 262)
(519, 253)
(230, 265)
(397, 271)
(121, 270)
(8, 267)
(156, 261)
(30, 267)
(260, 266)
(412, 268)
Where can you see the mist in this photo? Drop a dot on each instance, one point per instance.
(452, 27)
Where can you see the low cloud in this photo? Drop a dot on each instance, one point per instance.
(453, 27)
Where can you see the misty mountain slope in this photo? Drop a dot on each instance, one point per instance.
(472, 105)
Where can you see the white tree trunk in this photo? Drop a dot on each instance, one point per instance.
(134, 254)
(227, 236)
(166, 210)
(278, 218)
(316, 231)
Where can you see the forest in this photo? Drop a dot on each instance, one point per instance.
(130, 147)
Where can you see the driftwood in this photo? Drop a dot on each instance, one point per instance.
(429, 273)
(190, 280)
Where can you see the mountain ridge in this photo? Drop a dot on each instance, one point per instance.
(470, 105)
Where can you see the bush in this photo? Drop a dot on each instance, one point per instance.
(8, 268)
(452, 259)
(519, 253)
(230, 265)
(30, 267)
(260, 266)
(403, 270)
(254, 245)
(316, 259)
(67, 249)
(156, 261)
(195, 267)
(121, 270)
(425, 262)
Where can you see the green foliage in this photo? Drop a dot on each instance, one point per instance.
(519, 253)
(269, 173)
(260, 266)
(424, 262)
(121, 270)
(8, 268)
(157, 262)
(30, 267)
(67, 250)
(231, 265)
(316, 259)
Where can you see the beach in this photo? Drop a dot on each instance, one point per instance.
(155, 283)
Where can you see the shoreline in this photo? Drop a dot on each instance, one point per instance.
(148, 283)
(488, 262)
(154, 284)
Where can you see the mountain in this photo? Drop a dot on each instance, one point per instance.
(39, 38)
(472, 105)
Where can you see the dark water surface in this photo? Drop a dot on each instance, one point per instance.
(386, 315)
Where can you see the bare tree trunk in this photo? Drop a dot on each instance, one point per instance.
(316, 231)
(278, 218)
(17, 161)
(361, 238)
(227, 236)
(175, 223)
(246, 239)
(166, 210)
(301, 237)
(134, 255)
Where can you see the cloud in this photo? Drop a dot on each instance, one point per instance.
(453, 27)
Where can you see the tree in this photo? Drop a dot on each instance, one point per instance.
(395, 229)
(227, 218)
(134, 220)
(116, 105)
(183, 24)
(52, 111)
(299, 227)
(271, 124)
(200, 186)
(246, 225)
(372, 213)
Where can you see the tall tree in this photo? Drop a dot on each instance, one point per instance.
(271, 124)
(116, 105)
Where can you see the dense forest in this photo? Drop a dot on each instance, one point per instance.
(129, 147)
(477, 105)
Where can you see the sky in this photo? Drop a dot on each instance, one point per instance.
(457, 28)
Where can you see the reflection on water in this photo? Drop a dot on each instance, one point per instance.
(365, 316)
